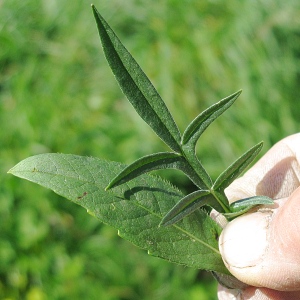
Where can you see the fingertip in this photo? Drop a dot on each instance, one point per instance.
(243, 242)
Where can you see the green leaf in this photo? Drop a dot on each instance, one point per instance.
(235, 169)
(204, 181)
(188, 205)
(156, 161)
(135, 209)
(251, 201)
(240, 207)
(200, 123)
(137, 87)
(146, 164)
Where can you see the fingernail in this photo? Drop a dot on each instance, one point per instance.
(243, 242)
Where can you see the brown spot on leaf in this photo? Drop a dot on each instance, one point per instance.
(83, 195)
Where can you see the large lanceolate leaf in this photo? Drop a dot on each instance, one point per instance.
(135, 209)
(137, 87)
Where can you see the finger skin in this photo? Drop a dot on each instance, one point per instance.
(254, 293)
(267, 257)
(262, 249)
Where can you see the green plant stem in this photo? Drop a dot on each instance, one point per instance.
(204, 180)
(221, 198)
(190, 156)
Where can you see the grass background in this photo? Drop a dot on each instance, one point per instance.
(57, 94)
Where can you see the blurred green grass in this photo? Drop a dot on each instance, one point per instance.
(57, 94)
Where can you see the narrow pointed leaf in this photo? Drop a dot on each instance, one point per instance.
(162, 160)
(157, 161)
(255, 200)
(137, 87)
(134, 209)
(189, 204)
(201, 122)
(235, 169)
(242, 206)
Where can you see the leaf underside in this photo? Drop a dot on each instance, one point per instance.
(135, 208)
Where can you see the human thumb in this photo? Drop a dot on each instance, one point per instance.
(262, 248)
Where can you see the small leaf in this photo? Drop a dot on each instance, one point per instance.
(134, 209)
(200, 123)
(137, 87)
(251, 201)
(235, 169)
(240, 207)
(189, 204)
(162, 160)
(157, 161)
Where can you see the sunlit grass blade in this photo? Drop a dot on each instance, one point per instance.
(189, 204)
(235, 169)
(162, 160)
(137, 87)
(242, 206)
(202, 121)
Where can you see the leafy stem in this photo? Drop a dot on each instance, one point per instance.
(152, 109)
(149, 105)
(146, 209)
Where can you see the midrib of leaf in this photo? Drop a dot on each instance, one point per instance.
(197, 239)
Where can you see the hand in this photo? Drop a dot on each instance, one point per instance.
(262, 248)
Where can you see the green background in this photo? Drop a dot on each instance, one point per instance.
(57, 94)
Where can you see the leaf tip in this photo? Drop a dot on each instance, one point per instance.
(111, 185)
(108, 188)
(259, 146)
(166, 221)
(236, 95)
(95, 11)
(11, 171)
